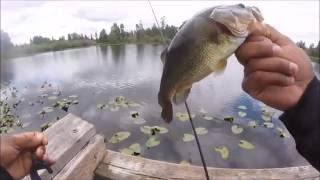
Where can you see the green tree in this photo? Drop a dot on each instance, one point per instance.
(122, 32)
(40, 40)
(139, 31)
(115, 35)
(301, 44)
(103, 37)
(6, 43)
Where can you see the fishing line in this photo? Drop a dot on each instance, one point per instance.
(187, 107)
(198, 142)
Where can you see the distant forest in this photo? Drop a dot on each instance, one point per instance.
(117, 35)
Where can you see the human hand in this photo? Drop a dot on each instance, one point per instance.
(276, 71)
(18, 151)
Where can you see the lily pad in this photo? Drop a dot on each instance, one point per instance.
(153, 130)
(45, 126)
(188, 137)
(266, 118)
(268, 124)
(135, 147)
(102, 106)
(201, 130)
(119, 136)
(139, 121)
(207, 117)
(229, 119)
(223, 151)
(236, 129)
(183, 116)
(252, 124)
(133, 104)
(145, 129)
(114, 108)
(42, 112)
(246, 145)
(126, 151)
(242, 114)
(242, 107)
(73, 96)
(134, 114)
(184, 162)
(52, 97)
(119, 99)
(152, 142)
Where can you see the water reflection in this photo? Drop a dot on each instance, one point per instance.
(140, 51)
(104, 51)
(117, 51)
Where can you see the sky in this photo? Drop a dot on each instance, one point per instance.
(24, 19)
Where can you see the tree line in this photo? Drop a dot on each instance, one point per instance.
(116, 35)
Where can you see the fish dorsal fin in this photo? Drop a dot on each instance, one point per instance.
(163, 55)
(181, 96)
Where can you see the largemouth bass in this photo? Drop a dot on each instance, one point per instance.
(201, 47)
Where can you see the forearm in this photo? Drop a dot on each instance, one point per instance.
(303, 122)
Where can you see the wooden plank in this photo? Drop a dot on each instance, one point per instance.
(85, 162)
(119, 166)
(66, 138)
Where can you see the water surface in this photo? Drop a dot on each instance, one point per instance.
(98, 74)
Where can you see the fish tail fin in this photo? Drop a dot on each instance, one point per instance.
(166, 105)
(167, 112)
(181, 96)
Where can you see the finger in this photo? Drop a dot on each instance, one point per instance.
(257, 81)
(40, 152)
(271, 64)
(48, 160)
(269, 32)
(254, 49)
(29, 140)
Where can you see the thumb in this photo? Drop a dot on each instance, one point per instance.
(270, 33)
(29, 140)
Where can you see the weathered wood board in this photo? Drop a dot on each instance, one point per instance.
(66, 138)
(119, 166)
(85, 162)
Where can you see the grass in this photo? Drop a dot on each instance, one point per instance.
(30, 49)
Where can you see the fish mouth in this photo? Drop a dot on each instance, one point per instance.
(236, 18)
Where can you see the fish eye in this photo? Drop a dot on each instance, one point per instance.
(241, 5)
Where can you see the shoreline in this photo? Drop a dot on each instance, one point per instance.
(75, 47)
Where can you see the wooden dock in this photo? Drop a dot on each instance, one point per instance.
(81, 154)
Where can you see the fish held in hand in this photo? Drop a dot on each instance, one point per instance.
(201, 47)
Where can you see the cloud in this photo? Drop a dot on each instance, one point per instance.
(23, 19)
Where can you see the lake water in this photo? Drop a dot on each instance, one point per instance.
(98, 74)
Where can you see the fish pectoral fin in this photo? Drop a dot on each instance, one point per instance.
(181, 96)
(163, 55)
(220, 66)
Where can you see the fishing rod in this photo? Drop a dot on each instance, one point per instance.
(187, 107)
